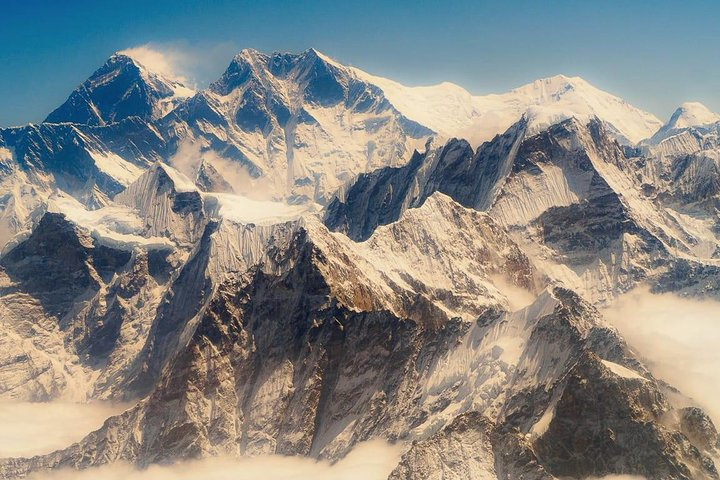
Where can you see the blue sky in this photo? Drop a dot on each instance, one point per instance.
(654, 54)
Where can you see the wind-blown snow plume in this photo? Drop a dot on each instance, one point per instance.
(170, 61)
(518, 297)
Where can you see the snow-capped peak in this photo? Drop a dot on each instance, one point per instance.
(692, 114)
(248, 55)
(122, 57)
(122, 87)
(323, 57)
(678, 135)
(552, 86)
(276, 63)
(453, 112)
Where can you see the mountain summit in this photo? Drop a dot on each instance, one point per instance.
(454, 112)
(121, 88)
(691, 128)
(290, 262)
(301, 121)
(692, 114)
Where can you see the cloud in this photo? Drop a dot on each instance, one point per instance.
(190, 156)
(678, 338)
(168, 60)
(373, 460)
(194, 65)
(38, 428)
(618, 477)
(517, 297)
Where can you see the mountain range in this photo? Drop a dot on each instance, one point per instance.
(303, 256)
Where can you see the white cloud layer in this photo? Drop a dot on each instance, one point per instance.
(372, 460)
(679, 338)
(28, 429)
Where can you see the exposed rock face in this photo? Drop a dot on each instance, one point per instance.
(698, 427)
(613, 414)
(170, 205)
(409, 336)
(445, 302)
(120, 89)
(335, 363)
(303, 122)
(82, 160)
(210, 180)
(470, 448)
(387, 193)
(313, 376)
(91, 164)
(691, 127)
(54, 265)
(679, 171)
(85, 303)
(568, 194)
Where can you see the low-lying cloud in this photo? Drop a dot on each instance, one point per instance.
(618, 477)
(373, 460)
(679, 339)
(28, 429)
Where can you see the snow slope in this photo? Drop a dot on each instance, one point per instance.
(247, 326)
(692, 114)
(301, 122)
(453, 112)
(119, 89)
(691, 128)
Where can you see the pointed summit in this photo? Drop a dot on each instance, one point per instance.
(121, 88)
(248, 63)
(320, 78)
(169, 204)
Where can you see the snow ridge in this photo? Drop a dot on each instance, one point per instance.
(454, 112)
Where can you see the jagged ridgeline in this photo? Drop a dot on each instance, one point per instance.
(302, 257)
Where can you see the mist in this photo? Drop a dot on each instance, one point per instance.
(190, 156)
(679, 340)
(618, 477)
(373, 460)
(29, 429)
(517, 297)
(36, 428)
